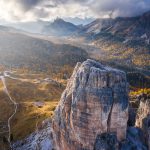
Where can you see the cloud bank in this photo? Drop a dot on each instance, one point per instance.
(30, 10)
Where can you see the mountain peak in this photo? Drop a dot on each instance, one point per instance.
(59, 20)
(59, 27)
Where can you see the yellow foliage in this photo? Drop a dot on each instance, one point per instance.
(140, 91)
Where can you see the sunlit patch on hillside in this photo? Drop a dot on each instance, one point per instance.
(36, 102)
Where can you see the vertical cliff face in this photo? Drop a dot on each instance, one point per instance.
(94, 102)
(143, 117)
(143, 110)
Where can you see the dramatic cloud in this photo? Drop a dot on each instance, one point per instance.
(121, 7)
(27, 10)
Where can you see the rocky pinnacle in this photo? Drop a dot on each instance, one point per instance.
(95, 102)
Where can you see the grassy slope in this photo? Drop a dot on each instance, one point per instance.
(26, 93)
(19, 50)
(130, 54)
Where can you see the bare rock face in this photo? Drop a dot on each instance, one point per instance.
(143, 110)
(143, 117)
(134, 140)
(94, 102)
(106, 141)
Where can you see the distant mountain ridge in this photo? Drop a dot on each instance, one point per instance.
(123, 26)
(8, 29)
(60, 28)
(31, 27)
(127, 27)
(123, 40)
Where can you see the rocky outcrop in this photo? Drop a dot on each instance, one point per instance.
(106, 141)
(143, 110)
(134, 140)
(143, 117)
(93, 106)
(42, 139)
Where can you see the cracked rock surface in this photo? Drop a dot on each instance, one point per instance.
(143, 117)
(94, 102)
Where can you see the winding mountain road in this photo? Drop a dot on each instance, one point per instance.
(2, 77)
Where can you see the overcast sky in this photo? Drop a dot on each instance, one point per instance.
(31, 10)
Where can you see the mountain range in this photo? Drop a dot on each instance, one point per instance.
(123, 41)
(131, 27)
(123, 26)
